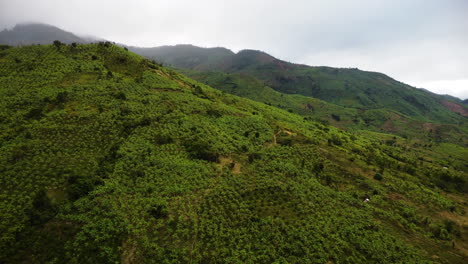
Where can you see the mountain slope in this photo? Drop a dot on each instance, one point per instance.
(345, 87)
(378, 120)
(106, 157)
(27, 34)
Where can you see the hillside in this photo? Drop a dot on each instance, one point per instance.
(378, 120)
(107, 157)
(351, 88)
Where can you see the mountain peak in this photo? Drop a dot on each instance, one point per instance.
(258, 55)
(36, 25)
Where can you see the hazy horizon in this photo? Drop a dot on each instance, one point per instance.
(421, 43)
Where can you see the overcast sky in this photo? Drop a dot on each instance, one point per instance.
(421, 42)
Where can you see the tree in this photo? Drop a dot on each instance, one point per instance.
(336, 117)
(57, 43)
(378, 176)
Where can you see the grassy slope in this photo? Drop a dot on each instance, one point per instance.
(106, 157)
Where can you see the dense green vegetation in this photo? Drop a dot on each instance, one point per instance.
(351, 119)
(107, 157)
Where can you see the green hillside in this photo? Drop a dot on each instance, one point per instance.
(345, 87)
(107, 157)
(378, 120)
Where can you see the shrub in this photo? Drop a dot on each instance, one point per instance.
(4, 47)
(335, 140)
(57, 43)
(336, 117)
(378, 176)
(120, 96)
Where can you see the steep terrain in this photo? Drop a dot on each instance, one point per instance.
(107, 157)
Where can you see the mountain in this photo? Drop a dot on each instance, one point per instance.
(344, 87)
(33, 33)
(107, 157)
(189, 56)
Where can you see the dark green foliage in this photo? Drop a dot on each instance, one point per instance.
(120, 96)
(57, 44)
(336, 117)
(110, 74)
(378, 177)
(4, 47)
(42, 209)
(390, 142)
(448, 181)
(335, 140)
(35, 113)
